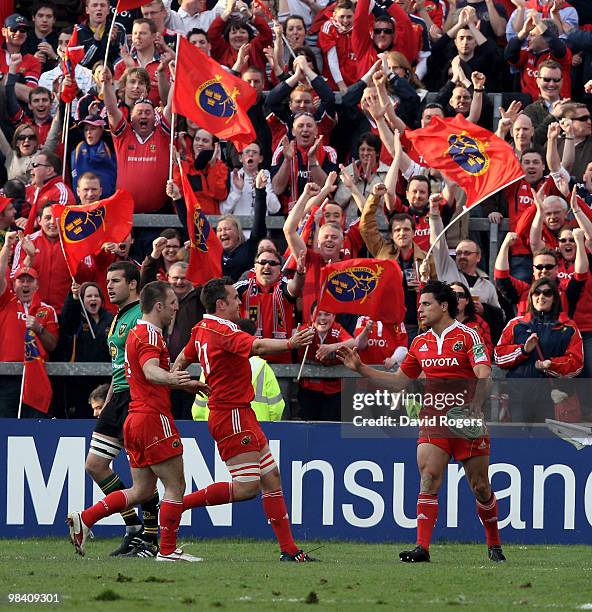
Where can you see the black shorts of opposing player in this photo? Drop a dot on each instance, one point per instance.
(113, 415)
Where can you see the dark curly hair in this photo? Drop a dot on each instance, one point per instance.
(443, 293)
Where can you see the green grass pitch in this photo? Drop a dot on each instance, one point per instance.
(242, 575)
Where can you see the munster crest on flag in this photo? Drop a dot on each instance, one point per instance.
(84, 229)
(471, 156)
(212, 97)
(371, 287)
(205, 251)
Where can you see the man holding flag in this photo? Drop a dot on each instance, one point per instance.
(141, 149)
(330, 241)
(93, 34)
(67, 51)
(29, 331)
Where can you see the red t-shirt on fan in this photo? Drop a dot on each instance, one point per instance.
(223, 351)
(334, 335)
(383, 339)
(143, 164)
(12, 324)
(145, 342)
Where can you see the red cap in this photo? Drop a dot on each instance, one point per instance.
(26, 270)
(4, 202)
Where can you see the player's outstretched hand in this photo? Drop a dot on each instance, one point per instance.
(349, 358)
(302, 337)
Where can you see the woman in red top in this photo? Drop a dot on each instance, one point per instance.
(207, 173)
(229, 32)
(467, 314)
(320, 398)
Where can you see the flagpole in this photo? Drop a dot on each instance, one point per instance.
(26, 308)
(63, 128)
(109, 38)
(74, 280)
(66, 129)
(102, 92)
(173, 115)
(464, 212)
(172, 146)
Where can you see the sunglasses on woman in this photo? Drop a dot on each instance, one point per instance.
(544, 292)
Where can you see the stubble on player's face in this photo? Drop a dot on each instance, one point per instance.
(430, 311)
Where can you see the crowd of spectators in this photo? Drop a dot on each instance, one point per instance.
(337, 84)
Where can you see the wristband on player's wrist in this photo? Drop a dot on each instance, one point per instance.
(289, 342)
(524, 351)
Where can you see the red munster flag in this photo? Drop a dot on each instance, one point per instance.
(72, 57)
(475, 158)
(205, 251)
(84, 229)
(212, 97)
(37, 391)
(128, 5)
(371, 287)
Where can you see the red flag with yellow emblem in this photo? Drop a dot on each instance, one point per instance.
(210, 96)
(205, 250)
(471, 156)
(371, 287)
(85, 228)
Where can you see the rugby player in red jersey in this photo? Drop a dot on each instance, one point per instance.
(448, 354)
(223, 352)
(150, 435)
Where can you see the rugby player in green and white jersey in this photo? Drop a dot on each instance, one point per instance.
(141, 538)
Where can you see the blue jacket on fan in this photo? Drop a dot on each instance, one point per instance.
(99, 159)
